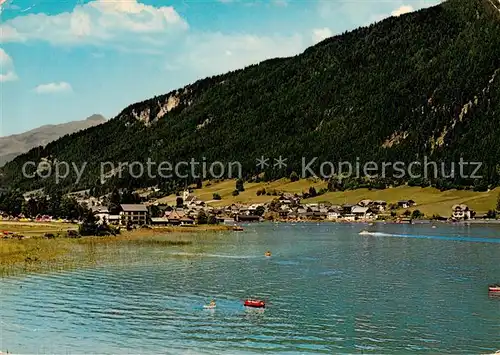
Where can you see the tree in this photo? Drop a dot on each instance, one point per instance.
(31, 208)
(261, 192)
(155, 211)
(407, 213)
(417, 214)
(491, 214)
(274, 206)
(202, 217)
(235, 193)
(259, 211)
(199, 184)
(114, 202)
(216, 196)
(239, 185)
(212, 219)
(89, 224)
(294, 176)
(312, 191)
(179, 202)
(498, 203)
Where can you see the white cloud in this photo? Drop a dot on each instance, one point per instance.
(404, 9)
(353, 14)
(53, 88)
(320, 34)
(96, 22)
(216, 53)
(7, 72)
(9, 76)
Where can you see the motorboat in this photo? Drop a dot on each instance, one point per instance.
(364, 232)
(494, 288)
(254, 303)
(267, 254)
(237, 228)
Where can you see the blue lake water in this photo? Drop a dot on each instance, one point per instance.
(403, 289)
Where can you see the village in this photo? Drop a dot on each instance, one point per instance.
(190, 210)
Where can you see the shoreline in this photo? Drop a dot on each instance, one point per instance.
(415, 221)
(39, 253)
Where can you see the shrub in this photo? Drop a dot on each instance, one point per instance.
(202, 217)
(216, 196)
(239, 185)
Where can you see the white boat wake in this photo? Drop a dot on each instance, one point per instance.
(433, 237)
(215, 255)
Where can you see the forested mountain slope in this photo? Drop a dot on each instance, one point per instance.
(425, 83)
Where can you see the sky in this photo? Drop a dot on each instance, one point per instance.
(64, 60)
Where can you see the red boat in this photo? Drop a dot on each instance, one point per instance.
(494, 288)
(255, 303)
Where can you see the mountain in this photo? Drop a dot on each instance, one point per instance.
(14, 145)
(422, 84)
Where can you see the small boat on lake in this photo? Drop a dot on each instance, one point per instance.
(364, 232)
(267, 254)
(254, 303)
(494, 288)
(237, 228)
(211, 305)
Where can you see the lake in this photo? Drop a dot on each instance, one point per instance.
(402, 289)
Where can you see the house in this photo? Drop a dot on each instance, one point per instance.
(380, 205)
(101, 213)
(284, 213)
(462, 212)
(406, 203)
(350, 217)
(246, 218)
(347, 209)
(293, 215)
(285, 200)
(175, 217)
(186, 221)
(225, 219)
(159, 221)
(114, 219)
(365, 203)
(333, 214)
(199, 203)
(319, 215)
(361, 212)
(134, 214)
